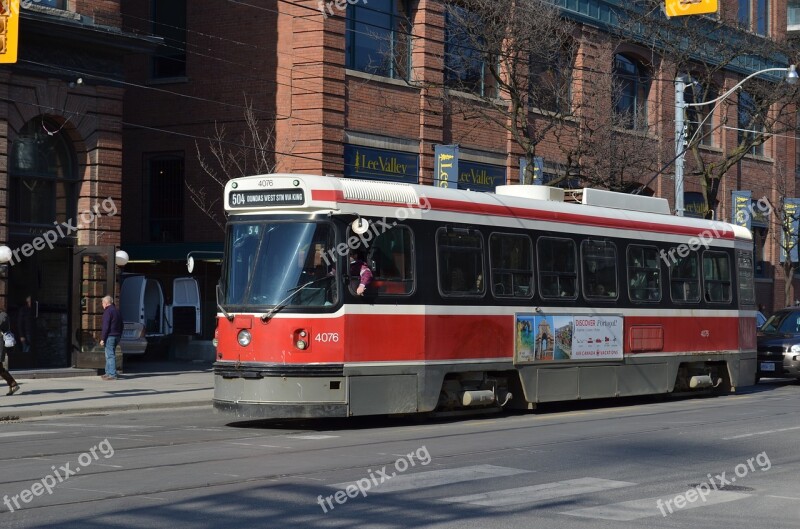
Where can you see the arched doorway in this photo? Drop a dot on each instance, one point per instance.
(43, 184)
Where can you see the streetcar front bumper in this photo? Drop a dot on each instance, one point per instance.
(261, 391)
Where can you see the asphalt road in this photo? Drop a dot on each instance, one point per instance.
(705, 462)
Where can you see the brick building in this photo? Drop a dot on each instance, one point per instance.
(61, 111)
(339, 108)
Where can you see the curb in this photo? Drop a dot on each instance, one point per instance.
(27, 414)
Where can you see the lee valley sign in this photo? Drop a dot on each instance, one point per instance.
(379, 164)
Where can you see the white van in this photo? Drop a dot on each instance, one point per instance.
(146, 318)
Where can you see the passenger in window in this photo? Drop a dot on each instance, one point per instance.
(360, 272)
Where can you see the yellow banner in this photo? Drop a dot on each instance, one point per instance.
(677, 8)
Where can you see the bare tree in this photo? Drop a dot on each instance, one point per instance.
(222, 160)
(784, 218)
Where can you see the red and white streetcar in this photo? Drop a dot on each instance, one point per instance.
(477, 299)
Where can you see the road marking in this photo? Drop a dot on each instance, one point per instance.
(431, 478)
(23, 433)
(783, 497)
(544, 491)
(627, 511)
(311, 437)
(765, 432)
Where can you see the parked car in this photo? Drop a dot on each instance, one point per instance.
(760, 320)
(779, 345)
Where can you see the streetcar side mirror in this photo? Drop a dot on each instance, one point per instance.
(360, 226)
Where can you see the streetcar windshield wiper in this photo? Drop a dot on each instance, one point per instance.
(293, 292)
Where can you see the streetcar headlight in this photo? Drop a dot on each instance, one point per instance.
(301, 344)
(244, 338)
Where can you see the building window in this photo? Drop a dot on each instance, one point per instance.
(42, 175)
(465, 51)
(700, 119)
(55, 4)
(793, 15)
(378, 38)
(169, 22)
(166, 198)
(753, 15)
(751, 123)
(550, 86)
(632, 85)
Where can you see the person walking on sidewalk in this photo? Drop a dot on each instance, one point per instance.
(5, 327)
(112, 332)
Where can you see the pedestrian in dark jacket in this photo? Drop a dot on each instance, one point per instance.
(5, 327)
(25, 325)
(112, 332)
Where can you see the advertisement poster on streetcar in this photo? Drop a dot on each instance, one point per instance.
(567, 337)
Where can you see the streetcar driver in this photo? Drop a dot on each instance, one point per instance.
(360, 273)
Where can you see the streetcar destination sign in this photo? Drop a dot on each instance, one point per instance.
(261, 198)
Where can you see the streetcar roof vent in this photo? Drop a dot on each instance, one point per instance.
(612, 199)
(535, 192)
(378, 191)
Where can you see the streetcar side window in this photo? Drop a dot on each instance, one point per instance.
(599, 258)
(511, 258)
(684, 278)
(717, 277)
(747, 295)
(644, 274)
(558, 268)
(460, 261)
(391, 258)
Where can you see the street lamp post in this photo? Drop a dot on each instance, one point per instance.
(680, 125)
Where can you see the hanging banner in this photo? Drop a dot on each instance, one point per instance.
(791, 228)
(740, 209)
(535, 177)
(446, 168)
(677, 8)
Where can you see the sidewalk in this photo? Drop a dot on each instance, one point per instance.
(142, 386)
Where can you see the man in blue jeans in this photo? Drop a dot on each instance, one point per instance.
(112, 331)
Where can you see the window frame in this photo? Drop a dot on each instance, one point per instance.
(399, 32)
(634, 86)
(642, 268)
(695, 255)
(383, 281)
(513, 272)
(557, 273)
(709, 282)
(479, 277)
(746, 107)
(483, 86)
(594, 276)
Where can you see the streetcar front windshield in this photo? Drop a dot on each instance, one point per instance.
(281, 263)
